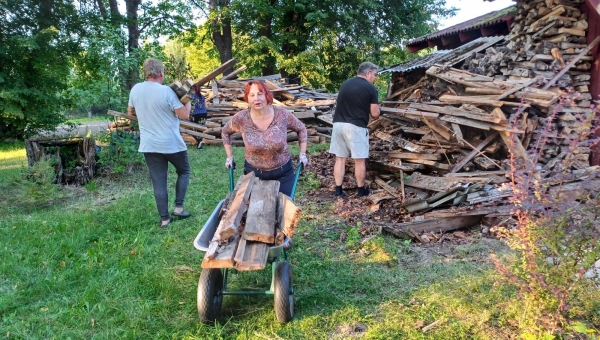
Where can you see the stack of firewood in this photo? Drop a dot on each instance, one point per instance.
(546, 35)
(254, 217)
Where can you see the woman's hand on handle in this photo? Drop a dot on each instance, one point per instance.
(303, 159)
(230, 163)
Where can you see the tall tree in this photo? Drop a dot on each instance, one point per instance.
(37, 39)
(220, 27)
(330, 36)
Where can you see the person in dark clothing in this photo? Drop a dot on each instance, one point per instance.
(357, 102)
(199, 113)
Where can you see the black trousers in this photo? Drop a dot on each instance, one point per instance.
(158, 165)
(284, 174)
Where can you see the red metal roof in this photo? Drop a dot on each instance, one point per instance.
(489, 19)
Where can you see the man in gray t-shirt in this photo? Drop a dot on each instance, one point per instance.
(158, 111)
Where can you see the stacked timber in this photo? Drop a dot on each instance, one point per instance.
(254, 217)
(225, 97)
(545, 38)
(442, 156)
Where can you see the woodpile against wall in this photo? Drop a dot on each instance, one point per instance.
(452, 137)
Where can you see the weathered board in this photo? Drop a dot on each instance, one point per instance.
(261, 215)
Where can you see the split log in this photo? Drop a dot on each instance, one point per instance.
(288, 215)
(230, 222)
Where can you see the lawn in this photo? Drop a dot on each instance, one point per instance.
(91, 263)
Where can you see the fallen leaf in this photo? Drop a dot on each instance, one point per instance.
(62, 264)
(133, 252)
(419, 324)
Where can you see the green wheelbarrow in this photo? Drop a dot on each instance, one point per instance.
(212, 285)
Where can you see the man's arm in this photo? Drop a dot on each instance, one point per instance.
(375, 111)
(184, 111)
(131, 110)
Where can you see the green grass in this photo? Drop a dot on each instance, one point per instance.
(94, 265)
(83, 120)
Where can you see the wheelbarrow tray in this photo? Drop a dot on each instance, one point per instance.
(207, 233)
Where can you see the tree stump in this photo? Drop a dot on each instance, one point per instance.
(75, 158)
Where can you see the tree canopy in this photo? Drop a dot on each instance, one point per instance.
(60, 55)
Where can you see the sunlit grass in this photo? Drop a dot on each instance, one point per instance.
(94, 264)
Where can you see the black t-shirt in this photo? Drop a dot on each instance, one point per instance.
(354, 102)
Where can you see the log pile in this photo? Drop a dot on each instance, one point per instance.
(254, 217)
(450, 140)
(225, 97)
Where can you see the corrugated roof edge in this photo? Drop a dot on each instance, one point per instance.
(428, 60)
(478, 22)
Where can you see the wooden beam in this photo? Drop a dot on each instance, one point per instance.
(214, 73)
(475, 152)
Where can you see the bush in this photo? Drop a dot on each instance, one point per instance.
(120, 153)
(38, 183)
(556, 238)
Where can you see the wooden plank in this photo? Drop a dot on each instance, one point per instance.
(416, 180)
(239, 204)
(480, 125)
(412, 113)
(517, 88)
(391, 190)
(412, 155)
(280, 91)
(251, 255)
(261, 214)
(197, 134)
(469, 100)
(475, 152)
(438, 127)
(234, 73)
(467, 122)
(457, 133)
(224, 257)
(288, 215)
(214, 73)
(430, 163)
(572, 31)
(512, 143)
(453, 111)
(305, 115)
(432, 225)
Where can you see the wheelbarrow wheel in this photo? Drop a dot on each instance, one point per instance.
(210, 298)
(284, 292)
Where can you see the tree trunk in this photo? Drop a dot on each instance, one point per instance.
(266, 30)
(295, 22)
(220, 27)
(134, 37)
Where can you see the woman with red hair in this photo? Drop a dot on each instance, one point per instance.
(264, 131)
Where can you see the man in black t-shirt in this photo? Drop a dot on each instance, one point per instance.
(357, 101)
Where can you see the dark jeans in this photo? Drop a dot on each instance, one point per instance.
(284, 174)
(158, 165)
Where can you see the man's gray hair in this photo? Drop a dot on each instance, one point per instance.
(153, 68)
(366, 67)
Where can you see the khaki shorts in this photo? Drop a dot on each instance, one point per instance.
(349, 140)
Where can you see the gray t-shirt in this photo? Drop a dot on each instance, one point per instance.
(154, 104)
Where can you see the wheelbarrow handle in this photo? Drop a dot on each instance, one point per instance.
(298, 170)
(296, 176)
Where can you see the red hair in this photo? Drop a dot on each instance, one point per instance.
(262, 88)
